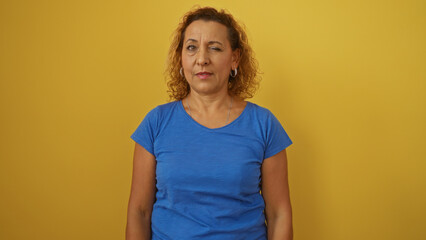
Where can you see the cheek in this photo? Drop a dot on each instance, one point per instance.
(225, 65)
(186, 62)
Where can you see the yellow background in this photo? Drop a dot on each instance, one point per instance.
(347, 79)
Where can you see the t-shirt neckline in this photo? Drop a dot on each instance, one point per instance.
(182, 108)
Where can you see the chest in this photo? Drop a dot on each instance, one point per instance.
(227, 161)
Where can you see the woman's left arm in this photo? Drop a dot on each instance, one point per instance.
(275, 191)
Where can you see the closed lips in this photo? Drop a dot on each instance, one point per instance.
(203, 73)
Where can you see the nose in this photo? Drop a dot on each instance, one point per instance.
(202, 57)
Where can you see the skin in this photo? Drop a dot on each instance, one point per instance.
(207, 48)
(142, 195)
(275, 191)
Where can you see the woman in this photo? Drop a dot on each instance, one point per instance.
(200, 161)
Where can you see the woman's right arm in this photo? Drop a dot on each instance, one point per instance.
(142, 195)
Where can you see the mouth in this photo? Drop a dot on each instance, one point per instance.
(203, 75)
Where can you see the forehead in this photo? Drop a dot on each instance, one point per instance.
(206, 30)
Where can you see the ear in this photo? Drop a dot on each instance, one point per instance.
(236, 56)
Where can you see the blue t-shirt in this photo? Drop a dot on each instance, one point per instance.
(208, 180)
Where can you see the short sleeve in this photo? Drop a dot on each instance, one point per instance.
(146, 131)
(276, 137)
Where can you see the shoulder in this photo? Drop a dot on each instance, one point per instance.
(167, 106)
(161, 110)
(261, 112)
(155, 118)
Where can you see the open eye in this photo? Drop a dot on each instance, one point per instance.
(190, 47)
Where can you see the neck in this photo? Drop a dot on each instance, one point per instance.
(207, 105)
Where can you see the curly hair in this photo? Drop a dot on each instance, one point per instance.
(244, 85)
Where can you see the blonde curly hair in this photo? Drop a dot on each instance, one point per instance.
(244, 85)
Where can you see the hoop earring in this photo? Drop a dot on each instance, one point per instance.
(235, 70)
(180, 71)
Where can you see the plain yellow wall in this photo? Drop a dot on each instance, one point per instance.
(347, 79)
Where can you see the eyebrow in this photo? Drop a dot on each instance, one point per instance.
(210, 42)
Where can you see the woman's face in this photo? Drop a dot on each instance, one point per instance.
(207, 57)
